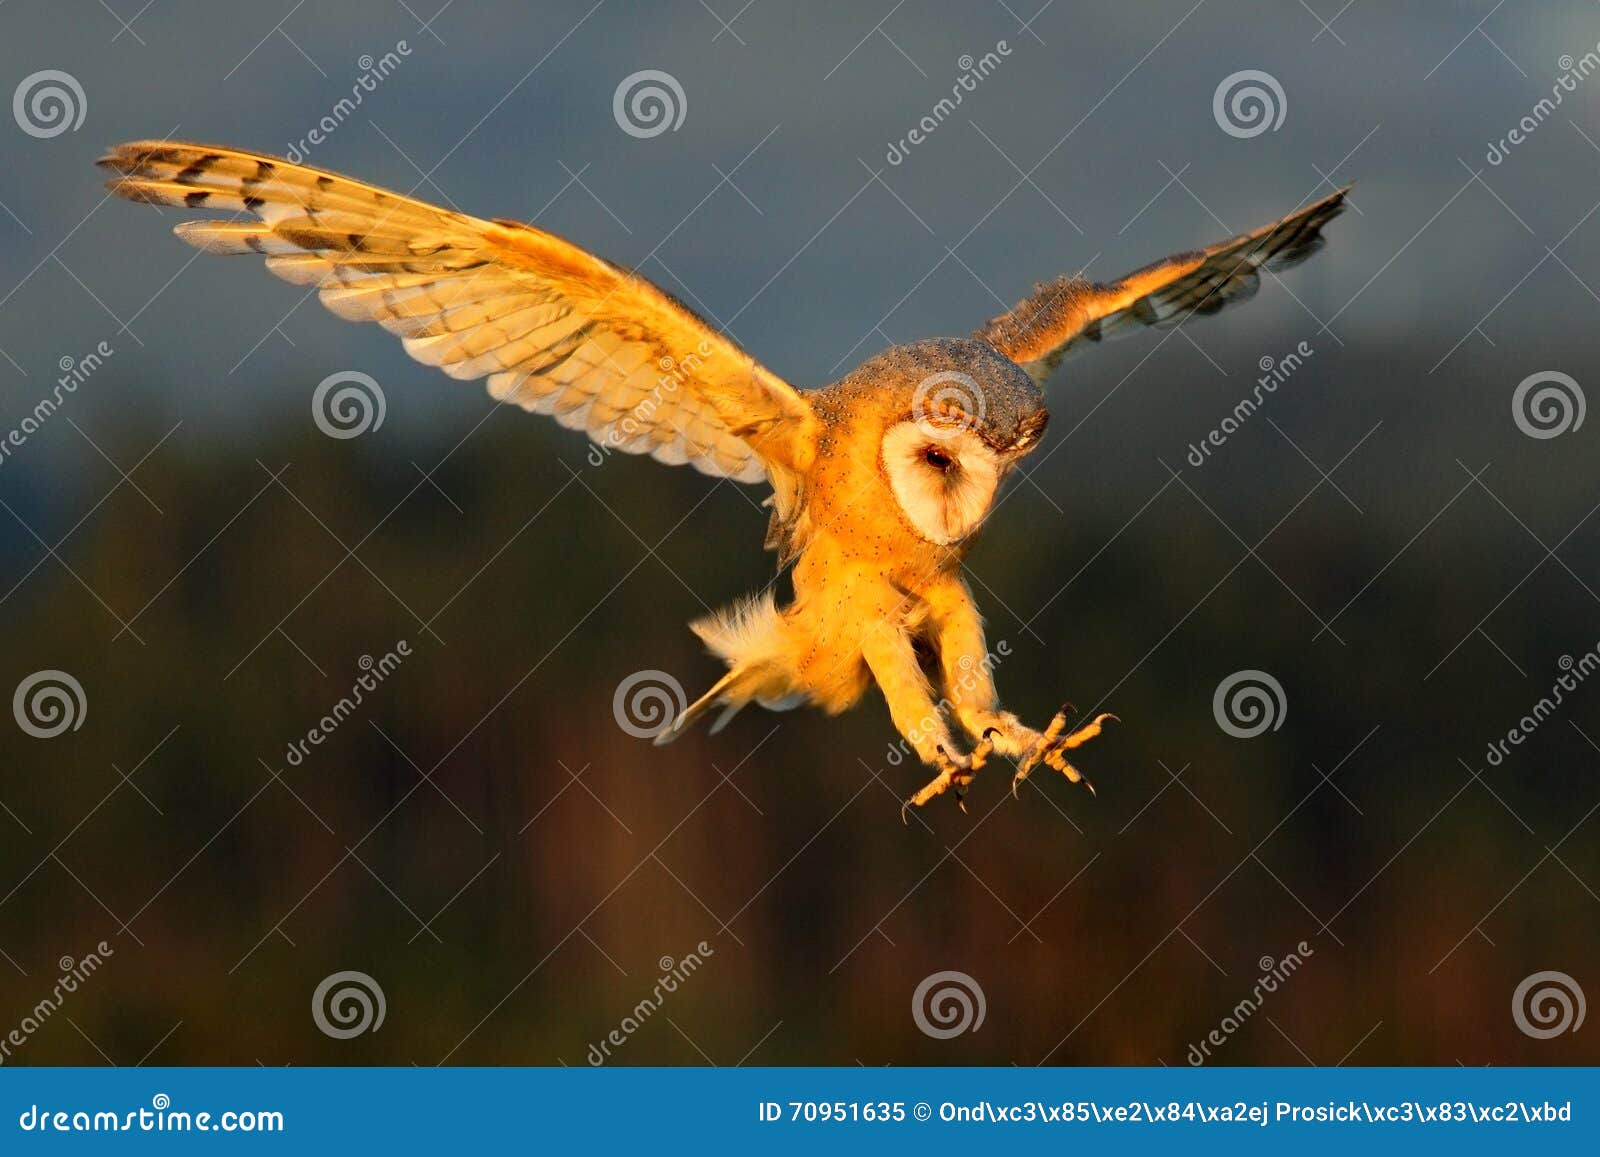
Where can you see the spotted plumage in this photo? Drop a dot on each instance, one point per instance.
(880, 482)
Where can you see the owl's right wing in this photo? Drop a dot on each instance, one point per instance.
(1061, 315)
(553, 328)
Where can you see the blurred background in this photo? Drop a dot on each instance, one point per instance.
(515, 871)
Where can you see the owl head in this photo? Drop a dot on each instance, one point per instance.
(952, 418)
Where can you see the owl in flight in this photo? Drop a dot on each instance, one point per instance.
(880, 481)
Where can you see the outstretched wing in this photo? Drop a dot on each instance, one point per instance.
(1061, 315)
(554, 329)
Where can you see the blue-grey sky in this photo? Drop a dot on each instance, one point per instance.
(1108, 113)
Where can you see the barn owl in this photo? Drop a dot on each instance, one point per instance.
(879, 482)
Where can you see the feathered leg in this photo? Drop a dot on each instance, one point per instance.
(893, 662)
(967, 670)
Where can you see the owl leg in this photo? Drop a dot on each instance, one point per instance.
(890, 656)
(967, 668)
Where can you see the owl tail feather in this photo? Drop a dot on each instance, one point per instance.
(748, 636)
(692, 713)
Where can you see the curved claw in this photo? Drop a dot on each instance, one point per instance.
(1052, 746)
(954, 771)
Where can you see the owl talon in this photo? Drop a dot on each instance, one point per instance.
(957, 771)
(1052, 745)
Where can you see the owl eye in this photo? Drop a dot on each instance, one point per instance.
(936, 458)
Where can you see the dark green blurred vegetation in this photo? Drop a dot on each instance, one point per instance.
(559, 896)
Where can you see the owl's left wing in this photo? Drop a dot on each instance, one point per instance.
(1061, 315)
(553, 328)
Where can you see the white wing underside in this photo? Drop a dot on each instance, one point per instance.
(552, 328)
